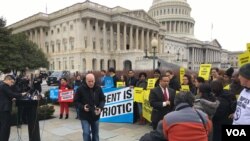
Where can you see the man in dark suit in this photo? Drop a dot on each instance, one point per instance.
(6, 97)
(131, 82)
(161, 98)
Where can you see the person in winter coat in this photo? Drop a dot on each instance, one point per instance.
(141, 83)
(76, 85)
(224, 110)
(174, 82)
(37, 83)
(207, 102)
(64, 105)
(90, 101)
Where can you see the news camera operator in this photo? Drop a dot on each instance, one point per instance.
(37, 83)
(22, 86)
(6, 98)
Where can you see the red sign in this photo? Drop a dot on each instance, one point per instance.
(66, 96)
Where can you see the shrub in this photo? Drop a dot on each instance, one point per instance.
(45, 111)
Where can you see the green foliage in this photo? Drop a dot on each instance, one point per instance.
(32, 56)
(45, 111)
(8, 51)
(18, 53)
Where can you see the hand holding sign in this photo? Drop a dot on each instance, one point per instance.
(97, 111)
(86, 108)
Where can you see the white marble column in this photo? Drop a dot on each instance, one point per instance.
(105, 64)
(131, 37)
(137, 38)
(104, 36)
(124, 37)
(205, 56)
(147, 41)
(179, 27)
(182, 27)
(118, 37)
(89, 37)
(42, 43)
(111, 37)
(89, 63)
(170, 25)
(142, 39)
(97, 36)
(159, 43)
(35, 40)
(210, 55)
(193, 58)
(195, 52)
(175, 27)
(30, 35)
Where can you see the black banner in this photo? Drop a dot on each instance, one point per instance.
(235, 132)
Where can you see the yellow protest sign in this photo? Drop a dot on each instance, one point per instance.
(138, 94)
(151, 83)
(182, 72)
(185, 88)
(227, 87)
(146, 108)
(205, 71)
(248, 47)
(244, 58)
(120, 84)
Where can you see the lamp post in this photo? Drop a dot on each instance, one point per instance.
(154, 44)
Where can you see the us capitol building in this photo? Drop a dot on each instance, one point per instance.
(89, 36)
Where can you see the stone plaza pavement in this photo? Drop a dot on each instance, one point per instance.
(70, 130)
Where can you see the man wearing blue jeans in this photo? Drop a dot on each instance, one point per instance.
(89, 100)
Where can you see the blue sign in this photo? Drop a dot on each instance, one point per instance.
(118, 106)
(75, 88)
(53, 93)
(108, 82)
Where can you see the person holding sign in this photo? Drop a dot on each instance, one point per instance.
(241, 115)
(64, 105)
(161, 98)
(112, 74)
(227, 78)
(187, 81)
(122, 82)
(90, 100)
(141, 83)
(131, 81)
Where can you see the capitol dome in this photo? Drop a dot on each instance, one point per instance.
(160, 1)
(173, 16)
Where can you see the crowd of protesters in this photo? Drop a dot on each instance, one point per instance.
(194, 115)
(215, 101)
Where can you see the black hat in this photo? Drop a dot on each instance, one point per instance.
(157, 71)
(245, 71)
(229, 72)
(112, 70)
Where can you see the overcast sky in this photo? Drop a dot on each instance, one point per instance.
(230, 18)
